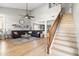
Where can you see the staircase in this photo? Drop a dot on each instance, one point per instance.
(64, 42)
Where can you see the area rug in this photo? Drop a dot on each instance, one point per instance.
(22, 40)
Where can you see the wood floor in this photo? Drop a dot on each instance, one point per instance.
(34, 47)
(64, 43)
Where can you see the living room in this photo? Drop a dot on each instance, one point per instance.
(25, 22)
(29, 29)
(13, 20)
(39, 29)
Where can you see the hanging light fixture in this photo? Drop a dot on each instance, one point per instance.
(27, 13)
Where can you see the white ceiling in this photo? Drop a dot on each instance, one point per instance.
(31, 6)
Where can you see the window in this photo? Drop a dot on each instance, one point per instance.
(1, 22)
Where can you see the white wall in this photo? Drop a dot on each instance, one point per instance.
(76, 20)
(12, 16)
(43, 14)
(67, 7)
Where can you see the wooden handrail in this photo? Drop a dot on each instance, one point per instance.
(53, 30)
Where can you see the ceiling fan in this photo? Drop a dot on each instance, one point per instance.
(27, 16)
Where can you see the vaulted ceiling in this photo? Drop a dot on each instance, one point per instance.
(31, 6)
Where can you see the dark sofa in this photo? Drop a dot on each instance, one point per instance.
(36, 33)
(18, 33)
